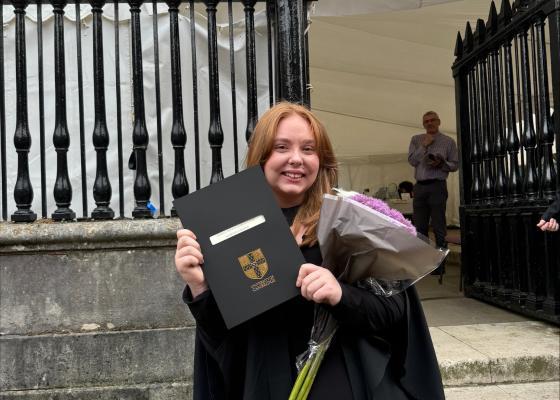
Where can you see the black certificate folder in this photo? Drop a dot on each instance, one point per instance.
(251, 259)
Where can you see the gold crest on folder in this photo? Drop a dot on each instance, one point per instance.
(254, 264)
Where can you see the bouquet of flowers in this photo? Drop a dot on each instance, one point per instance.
(363, 242)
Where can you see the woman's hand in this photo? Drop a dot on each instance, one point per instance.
(550, 225)
(318, 284)
(188, 259)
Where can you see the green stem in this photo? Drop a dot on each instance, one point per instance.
(300, 378)
(312, 372)
(317, 360)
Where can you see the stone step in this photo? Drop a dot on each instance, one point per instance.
(67, 291)
(96, 359)
(526, 351)
(468, 355)
(521, 391)
(158, 391)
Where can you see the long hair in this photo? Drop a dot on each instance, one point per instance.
(260, 148)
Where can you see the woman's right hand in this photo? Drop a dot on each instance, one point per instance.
(188, 260)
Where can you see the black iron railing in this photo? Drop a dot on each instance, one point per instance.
(507, 82)
(285, 62)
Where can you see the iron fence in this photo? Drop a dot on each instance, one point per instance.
(507, 83)
(104, 128)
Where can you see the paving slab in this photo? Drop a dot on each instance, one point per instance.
(526, 351)
(517, 352)
(165, 391)
(459, 363)
(525, 391)
(96, 359)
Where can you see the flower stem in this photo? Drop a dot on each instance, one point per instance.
(300, 379)
(316, 361)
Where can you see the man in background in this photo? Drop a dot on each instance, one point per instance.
(433, 156)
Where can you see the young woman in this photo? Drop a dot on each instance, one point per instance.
(382, 349)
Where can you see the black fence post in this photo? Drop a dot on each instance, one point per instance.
(23, 191)
(140, 138)
(215, 131)
(251, 61)
(61, 136)
(180, 185)
(291, 21)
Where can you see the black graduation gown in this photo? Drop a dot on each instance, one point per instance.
(382, 349)
(553, 211)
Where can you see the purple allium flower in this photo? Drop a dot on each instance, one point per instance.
(383, 208)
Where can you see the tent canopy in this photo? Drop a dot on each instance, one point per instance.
(374, 75)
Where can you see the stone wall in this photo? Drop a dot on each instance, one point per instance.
(93, 310)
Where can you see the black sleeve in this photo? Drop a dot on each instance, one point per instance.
(363, 311)
(209, 321)
(552, 211)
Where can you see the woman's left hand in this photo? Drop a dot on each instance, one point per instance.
(318, 284)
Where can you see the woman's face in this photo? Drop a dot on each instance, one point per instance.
(293, 164)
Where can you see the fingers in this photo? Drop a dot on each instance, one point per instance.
(319, 285)
(185, 232)
(188, 258)
(551, 225)
(304, 271)
(187, 241)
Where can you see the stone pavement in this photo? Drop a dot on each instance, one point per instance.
(486, 352)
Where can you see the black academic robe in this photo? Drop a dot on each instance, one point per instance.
(382, 349)
(553, 211)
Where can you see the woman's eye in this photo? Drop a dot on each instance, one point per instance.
(280, 147)
(309, 149)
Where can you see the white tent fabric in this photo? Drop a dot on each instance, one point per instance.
(339, 8)
(374, 75)
(374, 71)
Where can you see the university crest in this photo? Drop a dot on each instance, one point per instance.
(254, 264)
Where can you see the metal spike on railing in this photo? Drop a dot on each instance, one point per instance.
(492, 24)
(469, 40)
(458, 46)
(505, 12)
(480, 33)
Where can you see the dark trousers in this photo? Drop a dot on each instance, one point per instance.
(428, 204)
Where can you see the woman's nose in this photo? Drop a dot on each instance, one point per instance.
(295, 158)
